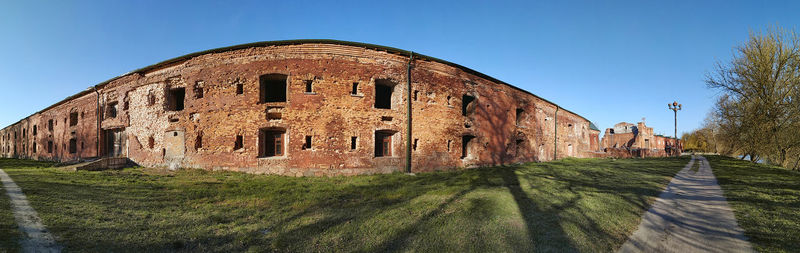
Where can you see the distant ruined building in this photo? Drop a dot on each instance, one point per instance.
(629, 140)
(307, 108)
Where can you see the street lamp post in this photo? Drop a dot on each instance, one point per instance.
(675, 107)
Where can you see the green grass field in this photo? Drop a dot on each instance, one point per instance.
(765, 199)
(586, 205)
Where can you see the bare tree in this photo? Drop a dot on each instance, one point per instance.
(759, 111)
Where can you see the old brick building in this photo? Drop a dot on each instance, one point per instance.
(307, 107)
(626, 139)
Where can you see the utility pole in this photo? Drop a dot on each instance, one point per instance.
(675, 107)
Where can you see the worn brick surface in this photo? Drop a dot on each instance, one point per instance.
(330, 114)
(629, 140)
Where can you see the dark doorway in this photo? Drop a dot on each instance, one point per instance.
(271, 142)
(383, 143)
(465, 147)
(114, 142)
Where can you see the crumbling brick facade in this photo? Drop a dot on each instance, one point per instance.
(629, 140)
(306, 108)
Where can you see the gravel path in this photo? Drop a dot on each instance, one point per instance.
(36, 238)
(691, 215)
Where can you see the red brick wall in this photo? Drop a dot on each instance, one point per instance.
(331, 115)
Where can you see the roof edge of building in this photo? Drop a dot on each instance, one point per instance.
(297, 42)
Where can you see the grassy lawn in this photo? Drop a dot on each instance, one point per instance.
(9, 235)
(587, 205)
(765, 199)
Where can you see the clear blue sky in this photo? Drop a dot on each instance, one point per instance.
(606, 60)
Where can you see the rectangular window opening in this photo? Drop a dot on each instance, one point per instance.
(309, 86)
(272, 88)
(355, 89)
(414, 147)
(198, 90)
(449, 143)
(519, 115)
(34, 130)
(466, 104)
(175, 99)
(73, 146)
(239, 143)
(383, 94)
(198, 142)
(307, 144)
(239, 88)
(353, 142)
(271, 142)
(73, 119)
(50, 147)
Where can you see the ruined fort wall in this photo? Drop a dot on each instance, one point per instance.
(508, 125)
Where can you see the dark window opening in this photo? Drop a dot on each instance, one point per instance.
(34, 130)
(355, 89)
(73, 146)
(239, 143)
(49, 146)
(34, 147)
(309, 86)
(383, 143)
(519, 116)
(465, 147)
(175, 99)
(416, 94)
(198, 141)
(414, 146)
(73, 118)
(111, 110)
(81, 145)
(449, 98)
(386, 118)
(272, 88)
(271, 142)
(151, 142)
(449, 142)
(353, 142)
(198, 89)
(125, 106)
(239, 88)
(383, 94)
(307, 144)
(569, 125)
(466, 104)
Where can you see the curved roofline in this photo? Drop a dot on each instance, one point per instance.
(297, 42)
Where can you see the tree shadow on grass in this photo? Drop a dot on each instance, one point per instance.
(301, 212)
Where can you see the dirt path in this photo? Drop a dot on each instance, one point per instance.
(36, 238)
(691, 215)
